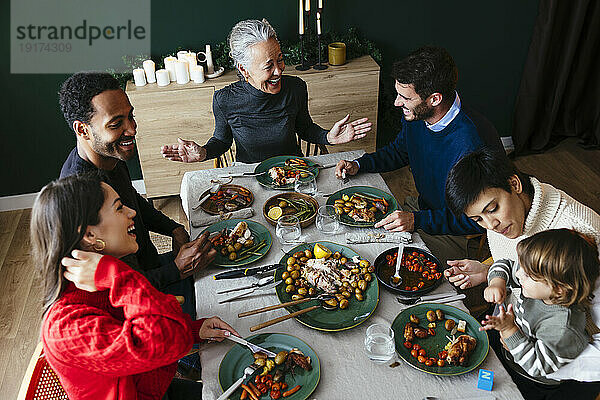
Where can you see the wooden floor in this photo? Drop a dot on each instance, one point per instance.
(567, 167)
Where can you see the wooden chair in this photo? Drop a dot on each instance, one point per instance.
(40, 381)
(225, 160)
(317, 149)
(482, 238)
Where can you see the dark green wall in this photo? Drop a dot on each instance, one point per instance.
(488, 40)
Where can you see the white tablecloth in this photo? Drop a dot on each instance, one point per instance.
(346, 372)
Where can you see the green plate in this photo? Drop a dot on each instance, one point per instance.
(346, 220)
(239, 357)
(279, 161)
(435, 344)
(259, 231)
(331, 320)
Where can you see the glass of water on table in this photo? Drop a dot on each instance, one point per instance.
(327, 221)
(288, 229)
(306, 183)
(379, 343)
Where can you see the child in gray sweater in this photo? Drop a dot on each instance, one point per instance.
(546, 327)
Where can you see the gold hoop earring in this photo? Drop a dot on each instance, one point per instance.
(99, 245)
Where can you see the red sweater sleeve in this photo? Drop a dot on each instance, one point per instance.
(154, 332)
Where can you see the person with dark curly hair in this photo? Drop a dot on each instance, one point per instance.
(436, 133)
(100, 114)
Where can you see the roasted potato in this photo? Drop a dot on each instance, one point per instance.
(439, 314)
(414, 319)
(281, 356)
(431, 316)
(344, 304)
(450, 324)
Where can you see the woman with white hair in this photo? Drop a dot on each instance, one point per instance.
(265, 110)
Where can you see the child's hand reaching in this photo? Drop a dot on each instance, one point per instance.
(504, 322)
(496, 291)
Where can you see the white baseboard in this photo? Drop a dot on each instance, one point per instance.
(22, 201)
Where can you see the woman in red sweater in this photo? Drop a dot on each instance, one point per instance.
(107, 332)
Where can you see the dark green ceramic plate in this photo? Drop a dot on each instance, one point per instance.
(279, 161)
(259, 231)
(435, 344)
(239, 357)
(368, 190)
(331, 320)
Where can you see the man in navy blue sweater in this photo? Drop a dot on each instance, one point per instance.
(436, 134)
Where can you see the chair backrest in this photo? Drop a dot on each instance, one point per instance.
(316, 149)
(226, 159)
(40, 381)
(487, 131)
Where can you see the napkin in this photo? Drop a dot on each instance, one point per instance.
(378, 237)
(201, 219)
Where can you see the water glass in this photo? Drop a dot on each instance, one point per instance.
(288, 229)
(307, 185)
(327, 220)
(379, 343)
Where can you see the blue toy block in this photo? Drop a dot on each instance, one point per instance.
(485, 380)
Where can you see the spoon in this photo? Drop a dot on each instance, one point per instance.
(396, 279)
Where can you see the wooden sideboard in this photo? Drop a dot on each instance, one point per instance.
(165, 113)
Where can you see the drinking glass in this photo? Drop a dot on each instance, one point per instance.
(288, 229)
(307, 185)
(379, 343)
(327, 221)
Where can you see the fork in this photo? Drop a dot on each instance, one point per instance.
(440, 297)
(247, 372)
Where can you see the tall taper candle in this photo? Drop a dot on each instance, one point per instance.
(307, 6)
(320, 4)
(318, 24)
(301, 29)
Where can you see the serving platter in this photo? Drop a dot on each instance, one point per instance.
(330, 320)
(435, 344)
(262, 171)
(370, 191)
(239, 357)
(410, 279)
(259, 232)
(212, 206)
(306, 220)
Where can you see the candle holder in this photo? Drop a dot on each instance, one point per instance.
(303, 66)
(319, 66)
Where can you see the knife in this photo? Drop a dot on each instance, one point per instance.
(241, 272)
(260, 283)
(250, 291)
(243, 174)
(254, 348)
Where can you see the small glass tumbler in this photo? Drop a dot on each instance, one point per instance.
(306, 184)
(327, 221)
(288, 229)
(379, 343)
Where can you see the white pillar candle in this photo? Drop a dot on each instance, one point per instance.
(197, 73)
(182, 72)
(301, 26)
(139, 77)
(149, 68)
(191, 58)
(210, 68)
(320, 4)
(181, 55)
(170, 66)
(162, 77)
(307, 6)
(318, 23)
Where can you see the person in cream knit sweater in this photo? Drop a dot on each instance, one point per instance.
(511, 206)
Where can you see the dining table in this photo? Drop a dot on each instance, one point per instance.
(346, 371)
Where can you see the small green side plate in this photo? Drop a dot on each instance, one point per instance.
(239, 357)
(435, 344)
(331, 320)
(259, 231)
(346, 220)
(279, 161)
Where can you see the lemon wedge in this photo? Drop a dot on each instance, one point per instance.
(321, 251)
(275, 213)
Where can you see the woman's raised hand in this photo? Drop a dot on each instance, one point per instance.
(186, 151)
(81, 269)
(344, 131)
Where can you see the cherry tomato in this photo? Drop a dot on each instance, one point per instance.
(416, 347)
(422, 352)
(431, 331)
(428, 362)
(414, 353)
(421, 359)
(257, 379)
(443, 354)
(441, 363)
(408, 345)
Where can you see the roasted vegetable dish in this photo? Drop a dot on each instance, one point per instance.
(228, 198)
(310, 273)
(418, 270)
(360, 207)
(237, 244)
(298, 207)
(292, 169)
